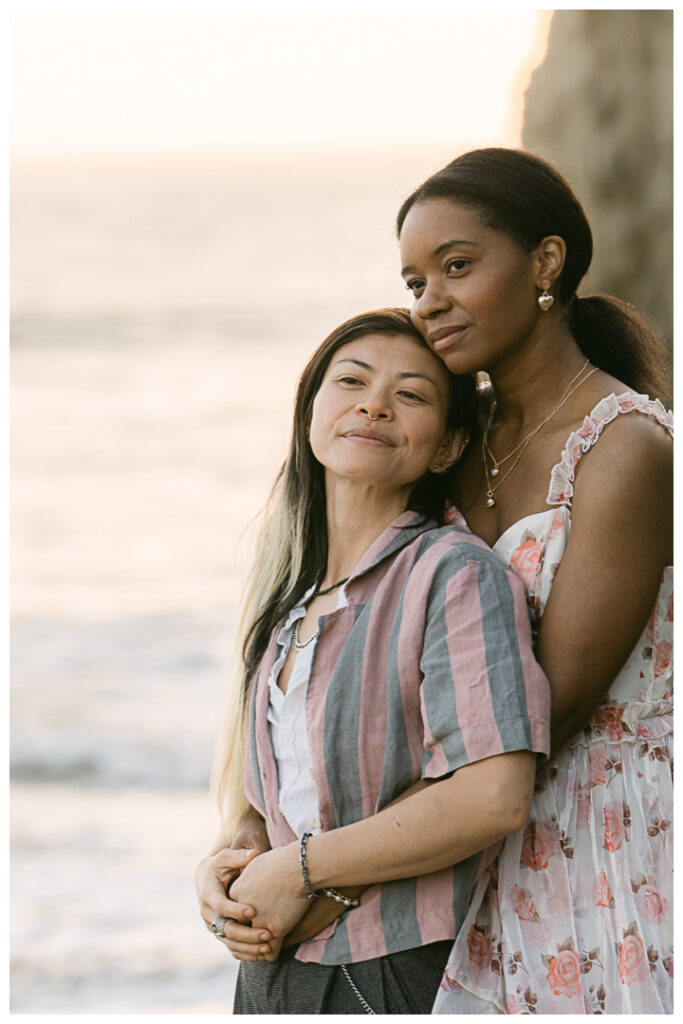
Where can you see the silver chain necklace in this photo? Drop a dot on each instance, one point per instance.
(318, 593)
(295, 637)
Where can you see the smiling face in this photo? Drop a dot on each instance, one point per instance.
(474, 289)
(380, 415)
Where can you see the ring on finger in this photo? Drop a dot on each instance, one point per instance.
(218, 925)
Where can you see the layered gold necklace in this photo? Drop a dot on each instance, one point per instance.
(496, 464)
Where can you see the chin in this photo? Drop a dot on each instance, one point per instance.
(461, 363)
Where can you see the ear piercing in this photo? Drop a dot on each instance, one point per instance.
(545, 300)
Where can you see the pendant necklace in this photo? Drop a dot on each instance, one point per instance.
(520, 448)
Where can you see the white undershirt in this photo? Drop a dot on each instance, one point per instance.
(297, 793)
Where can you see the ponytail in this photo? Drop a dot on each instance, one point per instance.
(618, 339)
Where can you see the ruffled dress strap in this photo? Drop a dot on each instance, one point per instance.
(561, 490)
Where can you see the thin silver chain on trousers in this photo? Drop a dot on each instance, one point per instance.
(366, 1006)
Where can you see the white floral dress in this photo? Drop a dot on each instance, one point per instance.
(575, 915)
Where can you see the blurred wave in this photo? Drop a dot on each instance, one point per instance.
(160, 318)
(131, 702)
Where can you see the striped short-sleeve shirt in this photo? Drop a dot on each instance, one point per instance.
(429, 667)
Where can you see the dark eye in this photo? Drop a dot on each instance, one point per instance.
(415, 286)
(456, 264)
(412, 396)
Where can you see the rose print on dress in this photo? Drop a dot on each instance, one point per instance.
(617, 820)
(523, 905)
(539, 845)
(634, 963)
(662, 657)
(651, 901)
(564, 970)
(584, 807)
(608, 719)
(597, 759)
(558, 523)
(601, 891)
(525, 559)
(479, 945)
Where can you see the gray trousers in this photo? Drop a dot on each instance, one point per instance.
(405, 982)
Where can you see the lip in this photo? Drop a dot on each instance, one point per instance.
(446, 336)
(368, 436)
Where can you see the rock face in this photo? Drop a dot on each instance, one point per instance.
(600, 108)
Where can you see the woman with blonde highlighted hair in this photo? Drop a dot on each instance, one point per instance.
(390, 711)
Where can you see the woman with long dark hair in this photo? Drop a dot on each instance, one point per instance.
(568, 478)
(389, 710)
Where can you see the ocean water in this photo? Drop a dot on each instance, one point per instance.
(160, 317)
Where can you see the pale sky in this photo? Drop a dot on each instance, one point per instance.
(145, 80)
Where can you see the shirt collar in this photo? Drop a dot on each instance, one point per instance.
(401, 532)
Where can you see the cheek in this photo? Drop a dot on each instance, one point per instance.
(317, 432)
(506, 306)
(425, 439)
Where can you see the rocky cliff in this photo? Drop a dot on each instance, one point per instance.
(600, 108)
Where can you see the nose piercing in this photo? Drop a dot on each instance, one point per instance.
(372, 417)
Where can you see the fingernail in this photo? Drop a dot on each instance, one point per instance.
(264, 936)
(264, 949)
(245, 854)
(248, 912)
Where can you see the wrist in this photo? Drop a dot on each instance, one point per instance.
(305, 880)
(316, 877)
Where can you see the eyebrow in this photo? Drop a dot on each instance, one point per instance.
(442, 248)
(400, 376)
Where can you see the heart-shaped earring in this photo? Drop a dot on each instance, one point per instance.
(545, 300)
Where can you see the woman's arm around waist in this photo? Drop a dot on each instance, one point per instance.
(430, 830)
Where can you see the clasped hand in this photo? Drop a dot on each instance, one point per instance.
(272, 885)
(263, 903)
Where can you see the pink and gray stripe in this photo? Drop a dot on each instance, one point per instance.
(428, 668)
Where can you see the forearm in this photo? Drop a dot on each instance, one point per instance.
(324, 911)
(430, 830)
(580, 671)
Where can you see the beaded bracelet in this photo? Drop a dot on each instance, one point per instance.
(334, 894)
(312, 895)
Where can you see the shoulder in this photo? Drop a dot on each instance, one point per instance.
(454, 562)
(632, 446)
(453, 545)
(623, 492)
